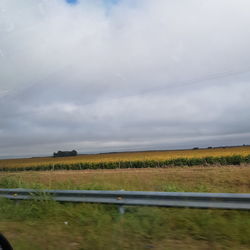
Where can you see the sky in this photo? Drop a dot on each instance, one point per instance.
(105, 75)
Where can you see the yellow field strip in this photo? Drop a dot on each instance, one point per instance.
(130, 156)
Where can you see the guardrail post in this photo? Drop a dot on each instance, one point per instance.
(121, 209)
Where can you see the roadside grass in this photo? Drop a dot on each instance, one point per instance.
(189, 179)
(52, 225)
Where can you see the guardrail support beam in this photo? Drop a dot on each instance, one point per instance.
(121, 209)
(135, 198)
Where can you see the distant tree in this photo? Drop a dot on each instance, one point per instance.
(65, 153)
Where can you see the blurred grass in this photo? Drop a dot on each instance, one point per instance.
(51, 225)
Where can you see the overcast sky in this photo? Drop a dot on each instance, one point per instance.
(106, 75)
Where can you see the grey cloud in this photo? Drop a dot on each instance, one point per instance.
(144, 75)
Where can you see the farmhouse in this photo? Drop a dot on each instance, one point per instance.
(65, 153)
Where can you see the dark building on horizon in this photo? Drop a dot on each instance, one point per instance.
(65, 153)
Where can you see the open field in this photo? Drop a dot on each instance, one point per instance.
(50, 225)
(156, 159)
(121, 157)
(195, 179)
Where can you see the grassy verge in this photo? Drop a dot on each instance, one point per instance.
(190, 179)
(51, 225)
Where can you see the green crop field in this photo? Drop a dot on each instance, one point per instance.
(221, 156)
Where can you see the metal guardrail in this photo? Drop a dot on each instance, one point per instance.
(136, 198)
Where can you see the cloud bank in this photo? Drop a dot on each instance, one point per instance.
(103, 76)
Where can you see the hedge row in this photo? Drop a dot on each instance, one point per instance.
(222, 160)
